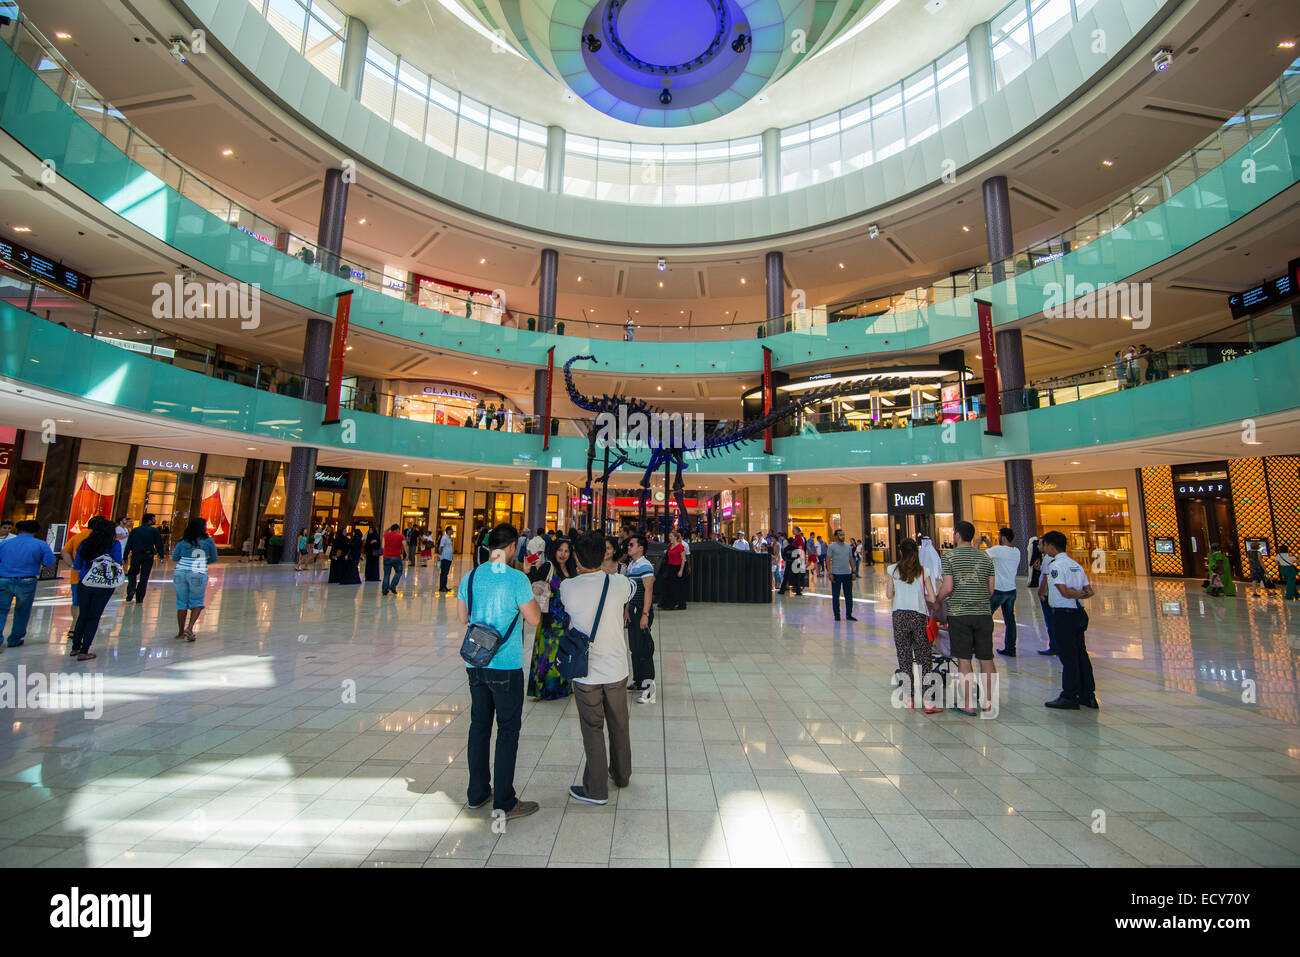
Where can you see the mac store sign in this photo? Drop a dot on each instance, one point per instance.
(909, 498)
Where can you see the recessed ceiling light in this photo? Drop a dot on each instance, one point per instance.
(361, 221)
(482, 261)
(1108, 163)
(22, 229)
(227, 152)
(965, 229)
(742, 280)
(252, 448)
(1284, 45)
(348, 349)
(659, 388)
(60, 35)
(1076, 463)
(579, 279)
(841, 265)
(978, 356)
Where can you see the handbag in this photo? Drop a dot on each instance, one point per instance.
(542, 590)
(103, 572)
(575, 645)
(482, 641)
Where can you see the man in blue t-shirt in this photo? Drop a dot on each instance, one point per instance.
(502, 598)
(22, 557)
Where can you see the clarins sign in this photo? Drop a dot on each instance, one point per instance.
(168, 460)
(910, 497)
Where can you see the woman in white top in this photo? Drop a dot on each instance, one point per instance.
(909, 589)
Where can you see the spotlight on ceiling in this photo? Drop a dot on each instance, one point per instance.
(1162, 58)
(591, 42)
(665, 97)
(873, 231)
(742, 41)
(662, 263)
(178, 49)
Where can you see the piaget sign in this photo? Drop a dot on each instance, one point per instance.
(167, 460)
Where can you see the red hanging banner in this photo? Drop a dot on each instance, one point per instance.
(988, 349)
(550, 375)
(338, 346)
(767, 397)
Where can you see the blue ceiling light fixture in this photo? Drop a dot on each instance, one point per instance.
(621, 56)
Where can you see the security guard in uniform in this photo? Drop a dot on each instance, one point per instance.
(1066, 585)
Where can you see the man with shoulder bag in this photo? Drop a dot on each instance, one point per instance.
(491, 601)
(594, 601)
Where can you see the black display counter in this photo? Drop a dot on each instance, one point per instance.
(719, 573)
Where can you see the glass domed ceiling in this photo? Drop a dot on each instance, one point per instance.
(669, 62)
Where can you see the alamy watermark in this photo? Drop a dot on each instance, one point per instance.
(1116, 300)
(54, 691)
(190, 299)
(652, 429)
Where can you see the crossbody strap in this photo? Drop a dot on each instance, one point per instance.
(600, 608)
(469, 590)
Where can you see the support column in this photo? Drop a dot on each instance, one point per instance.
(778, 502)
(771, 161)
(316, 359)
(546, 285)
(537, 478)
(774, 277)
(54, 501)
(333, 213)
(979, 54)
(536, 499)
(997, 223)
(1011, 369)
(355, 38)
(555, 140)
(299, 487)
(1022, 513)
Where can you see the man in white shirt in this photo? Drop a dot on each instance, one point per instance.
(1006, 562)
(742, 543)
(1067, 584)
(446, 555)
(1044, 567)
(640, 618)
(601, 694)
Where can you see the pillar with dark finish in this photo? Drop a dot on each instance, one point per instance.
(1011, 369)
(536, 498)
(54, 503)
(546, 287)
(196, 489)
(249, 504)
(333, 214)
(778, 503)
(126, 482)
(1022, 514)
(299, 488)
(774, 276)
(997, 223)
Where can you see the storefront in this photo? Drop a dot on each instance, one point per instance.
(330, 487)
(415, 507)
(495, 508)
(451, 514)
(1236, 505)
(1096, 523)
(450, 403)
(162, 484)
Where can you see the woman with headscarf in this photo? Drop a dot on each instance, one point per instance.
(338, 553)
(544, 679)
(1035, 556)
(352, 564)
(374, 549)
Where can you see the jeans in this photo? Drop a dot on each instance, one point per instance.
(191, 588)
(1070, 625)
(392, 566)
(22, 591)
(1006, 600)
(498, 693)
(1048, 619)
(140, 568)
(844, 583)
(443, 571)
(92, 602)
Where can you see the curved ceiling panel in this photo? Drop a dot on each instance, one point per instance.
(669, 62)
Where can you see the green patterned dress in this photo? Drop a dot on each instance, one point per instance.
(544, 679)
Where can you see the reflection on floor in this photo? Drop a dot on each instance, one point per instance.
(773, 741)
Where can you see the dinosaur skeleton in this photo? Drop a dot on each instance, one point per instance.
(664, 453)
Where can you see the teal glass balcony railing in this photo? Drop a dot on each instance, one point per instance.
(48, 109)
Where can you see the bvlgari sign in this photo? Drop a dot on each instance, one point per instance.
(167, 460)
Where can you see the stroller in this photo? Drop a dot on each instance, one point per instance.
(943, 665)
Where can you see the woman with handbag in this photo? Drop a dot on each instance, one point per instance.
(98, 562)
(192, 555)
(545, 682)
(910, 592)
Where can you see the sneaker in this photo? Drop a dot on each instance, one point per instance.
(522, 809)
(579, 793)
(648, 695)
(1063, 703)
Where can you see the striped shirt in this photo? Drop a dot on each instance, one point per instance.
(971, 570)
(637, 572)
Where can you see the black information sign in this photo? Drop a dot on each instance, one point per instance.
(56, 274)
(1266, 295)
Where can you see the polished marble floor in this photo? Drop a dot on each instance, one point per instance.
(773, 741)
